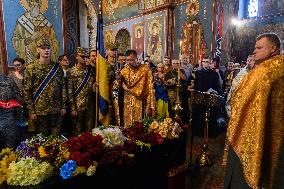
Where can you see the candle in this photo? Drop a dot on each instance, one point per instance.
(180, 49)
(180, 57)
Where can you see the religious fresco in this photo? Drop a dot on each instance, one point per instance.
(267, 7)
(245, 36)
(149, 4)
(138, 37)
(154, 38)
(26, 22)
(109, 39)
(115, 10)
(230, 8)
(122, 40)
(193, 28)
(192, 40)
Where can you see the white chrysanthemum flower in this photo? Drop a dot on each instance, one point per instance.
(111, 136)
(97, 131)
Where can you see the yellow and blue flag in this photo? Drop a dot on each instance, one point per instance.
(102, 75)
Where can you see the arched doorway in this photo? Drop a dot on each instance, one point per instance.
(122, 40)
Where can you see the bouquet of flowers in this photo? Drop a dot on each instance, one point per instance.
(111, 136)
(139, 135)
(85, 148)
(29, 147)
(7, 156)
(117, 156)
(53, 151)
(168, 129)
(28, 171)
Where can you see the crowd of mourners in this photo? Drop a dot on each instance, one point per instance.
(58, 98)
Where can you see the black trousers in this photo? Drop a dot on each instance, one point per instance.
(234, 176)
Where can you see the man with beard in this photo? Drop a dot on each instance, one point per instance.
(32, 26)
(137, 83)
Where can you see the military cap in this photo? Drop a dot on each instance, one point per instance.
(82, 51)
(43, 42)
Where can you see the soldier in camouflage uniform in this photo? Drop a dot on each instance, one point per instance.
(48, 109)
(8, 91)
(81, 91)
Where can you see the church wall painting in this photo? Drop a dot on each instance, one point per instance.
(122, 40)
(112, 30)
(115, 10)
(138, 37)
(244, 36)
(268, 7)
(149, 4)
(26, 22)
(155, 34)
(197, 21)
(109, 39)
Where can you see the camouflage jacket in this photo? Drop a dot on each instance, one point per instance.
(86, 96)
(52, 98)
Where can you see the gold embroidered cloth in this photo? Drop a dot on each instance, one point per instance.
(138, 88)
(256, 127)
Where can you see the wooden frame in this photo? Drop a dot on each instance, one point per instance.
(20, 33)
(3, 63)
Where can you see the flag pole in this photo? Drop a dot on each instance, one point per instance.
(97, 69)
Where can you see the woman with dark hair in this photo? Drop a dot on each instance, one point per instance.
(18, 74)
(21, 113)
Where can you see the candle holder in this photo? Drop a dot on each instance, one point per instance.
(177, 108)
(204, 159)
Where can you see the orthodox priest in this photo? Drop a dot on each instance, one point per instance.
(137, 82)
(256, 131)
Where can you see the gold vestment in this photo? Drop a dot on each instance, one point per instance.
(139, 94)
(256, 127)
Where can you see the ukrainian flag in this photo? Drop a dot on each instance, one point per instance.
(102, 75)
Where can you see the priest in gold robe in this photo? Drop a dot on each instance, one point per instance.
(256, 130)
(137, 83)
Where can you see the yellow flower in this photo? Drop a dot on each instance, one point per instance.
(42, 152)
(64, 152)
(92, 169)
(79, 170)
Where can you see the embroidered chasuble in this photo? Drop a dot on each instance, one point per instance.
(256, 127)
(139, 94)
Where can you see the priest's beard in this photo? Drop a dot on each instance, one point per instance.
(35, 11)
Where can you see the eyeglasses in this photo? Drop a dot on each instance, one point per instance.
(17, 65)
(129, 59)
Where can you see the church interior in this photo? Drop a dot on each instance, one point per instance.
(141, 93)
